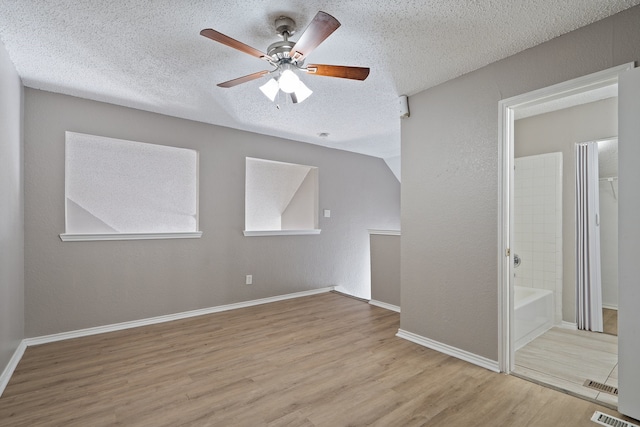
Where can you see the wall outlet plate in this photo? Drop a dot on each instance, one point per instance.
(249, 280)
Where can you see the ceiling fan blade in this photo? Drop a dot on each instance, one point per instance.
(318, 30)
(244, 79)
(226, 40)
(343, 72)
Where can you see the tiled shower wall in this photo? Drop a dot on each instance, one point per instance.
(538, 224)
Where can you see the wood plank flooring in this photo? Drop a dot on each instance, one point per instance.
(565, 358)
(323, 360)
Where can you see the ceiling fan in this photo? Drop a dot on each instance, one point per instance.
(287, 57)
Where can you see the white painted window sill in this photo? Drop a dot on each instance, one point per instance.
(253, 233)
(385, 232)
(129, 236)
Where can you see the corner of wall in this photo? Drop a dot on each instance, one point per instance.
(11, 214)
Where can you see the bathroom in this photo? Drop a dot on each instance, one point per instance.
(545, 223)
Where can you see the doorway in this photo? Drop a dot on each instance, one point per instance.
(509, 108)
(557, 353)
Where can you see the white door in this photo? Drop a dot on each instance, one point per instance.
(629, 243)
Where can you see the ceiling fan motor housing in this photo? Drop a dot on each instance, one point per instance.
(284, 24)
(285, 27)
(280, 50)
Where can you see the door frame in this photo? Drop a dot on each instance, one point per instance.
(507, 109)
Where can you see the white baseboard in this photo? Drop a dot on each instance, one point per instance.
(483, 362)
(167, 318)
(345, 291)
(385, 305)
(11, 366)
(610, 307)
(569, 325)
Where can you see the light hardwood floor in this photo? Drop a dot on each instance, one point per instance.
(324, 360)
(565, 358)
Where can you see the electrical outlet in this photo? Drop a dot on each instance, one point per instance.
(249, 280)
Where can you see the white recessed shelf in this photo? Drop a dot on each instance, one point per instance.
(126, 190)
(281, 199)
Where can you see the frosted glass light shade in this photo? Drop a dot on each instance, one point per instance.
(288, 81)
(270, 89)
(301, 93)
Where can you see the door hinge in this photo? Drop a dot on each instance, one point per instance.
(507, 252)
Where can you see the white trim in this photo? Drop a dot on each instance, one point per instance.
(385, 305)
(167, 318)
(483, 362)
(570, 87)
(252, 233)
(610, 307)
(505, 152)
(385, 232)
(505, 178)
(569, 325)
(11, 366)
(345, 291)
(65, 237)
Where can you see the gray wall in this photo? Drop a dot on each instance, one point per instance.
(560, 131)
(450, 181)
(76, 285)
(385, 269)
(11, 211)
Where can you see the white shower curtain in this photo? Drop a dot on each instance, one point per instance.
(588, 277)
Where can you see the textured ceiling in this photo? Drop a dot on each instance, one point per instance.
(149, 55)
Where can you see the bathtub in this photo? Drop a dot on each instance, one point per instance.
(533, 314)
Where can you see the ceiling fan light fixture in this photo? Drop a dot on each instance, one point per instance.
(289, 81)
(270, 89)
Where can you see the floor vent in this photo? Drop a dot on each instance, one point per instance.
(601, 387)
(608, 420)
